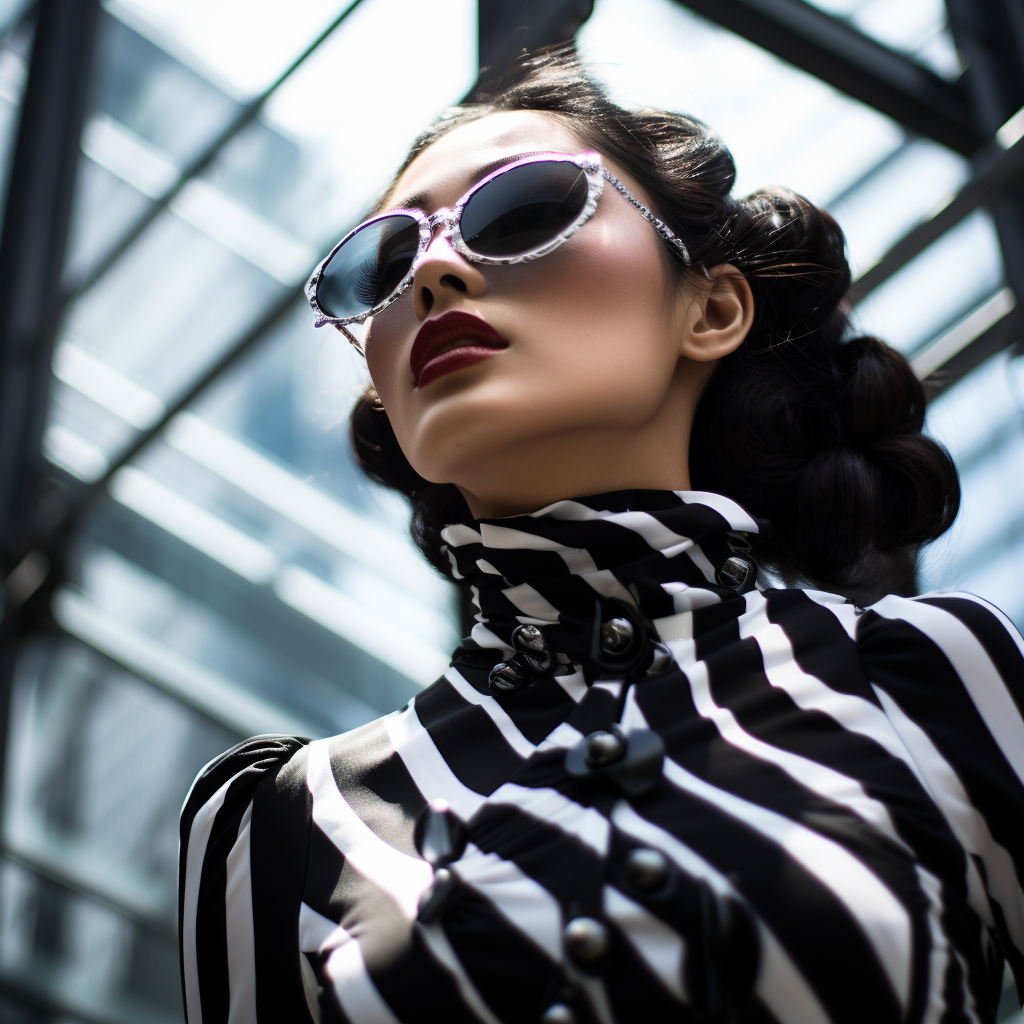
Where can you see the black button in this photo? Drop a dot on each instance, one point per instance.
(635, 773)
(440, 834)
(738, 574)
(507, 677)
(586, 940)
(558, 1013)
(648, 871)
(617, 636)
(532, 648)
(604, 748)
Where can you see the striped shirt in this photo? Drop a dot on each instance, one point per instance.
(809, 812)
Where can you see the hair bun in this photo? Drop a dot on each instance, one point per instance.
(880, 396)
(794, 256)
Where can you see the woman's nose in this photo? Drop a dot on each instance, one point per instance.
(443, 275)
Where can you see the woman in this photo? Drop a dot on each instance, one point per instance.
(645, 790)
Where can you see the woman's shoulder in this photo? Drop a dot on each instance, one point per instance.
(279, 776)
(231, 779)
(952, 632)
(948, 668)
(936, 649)
(243, 852)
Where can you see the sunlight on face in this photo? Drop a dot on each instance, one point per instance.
(592, 362)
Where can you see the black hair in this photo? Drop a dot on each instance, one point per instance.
(807, 427)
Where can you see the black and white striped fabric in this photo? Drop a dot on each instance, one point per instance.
(853, 779)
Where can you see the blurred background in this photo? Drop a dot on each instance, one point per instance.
(190, 556)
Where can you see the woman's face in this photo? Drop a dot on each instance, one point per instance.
(590, 382)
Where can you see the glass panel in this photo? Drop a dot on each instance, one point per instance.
(98, 765)
(240, 47)
(899, 192)
(981, 421)
(950, 278)
(81, 956)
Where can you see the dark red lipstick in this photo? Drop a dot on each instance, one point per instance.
(451, 342)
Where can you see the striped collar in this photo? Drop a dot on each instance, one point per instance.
(656, 552)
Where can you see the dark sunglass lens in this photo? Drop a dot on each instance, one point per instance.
(368, 267)
(523, 209)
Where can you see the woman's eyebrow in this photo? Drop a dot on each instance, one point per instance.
(421, 200)
(417, 201)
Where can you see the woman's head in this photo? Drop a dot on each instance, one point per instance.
(620, 366)
(602, 351)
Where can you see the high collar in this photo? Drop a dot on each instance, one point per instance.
(648, 554)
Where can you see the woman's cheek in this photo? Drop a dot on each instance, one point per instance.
(608, 295)
(384, 347)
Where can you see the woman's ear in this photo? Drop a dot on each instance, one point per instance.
(719, 315)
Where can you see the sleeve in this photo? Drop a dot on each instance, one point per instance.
(241, 872)
(948, 669)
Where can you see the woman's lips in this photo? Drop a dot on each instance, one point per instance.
(451, 342)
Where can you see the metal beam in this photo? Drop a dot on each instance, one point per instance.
(507, 26)
(857, 65)
(990, 34)
(998, 172)
(32, 244)
(1001, 335)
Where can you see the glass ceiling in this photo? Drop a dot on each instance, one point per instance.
(244, 577)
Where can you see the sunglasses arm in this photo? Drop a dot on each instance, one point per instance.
(352, 339)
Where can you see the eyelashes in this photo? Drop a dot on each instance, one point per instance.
(368, 283)
(376, 280)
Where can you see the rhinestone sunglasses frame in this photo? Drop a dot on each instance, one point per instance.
(449, 221)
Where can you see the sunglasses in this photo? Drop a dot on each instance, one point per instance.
(516, 214)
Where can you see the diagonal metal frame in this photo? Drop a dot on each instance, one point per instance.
(33, 240)
(230, 358)
(962, 115)
(861, 67)
(996, 171)
(990, 35)
(246, 116)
